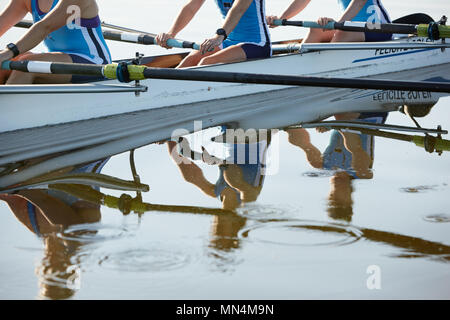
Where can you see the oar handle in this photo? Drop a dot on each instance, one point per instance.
(130, 37)
(305, 24)
(146, 39)
(182, 44)
(434, 30)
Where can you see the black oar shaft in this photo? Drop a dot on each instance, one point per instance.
(358, 27)
(132, 38)
(233, 77)
(58, 68)
(380, 28)
(357, 83)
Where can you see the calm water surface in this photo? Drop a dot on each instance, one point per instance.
(311, 233)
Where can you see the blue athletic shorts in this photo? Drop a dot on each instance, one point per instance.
(377, 37)
(252, 50)
(82, 78)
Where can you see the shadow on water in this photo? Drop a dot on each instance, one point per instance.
(63, 208)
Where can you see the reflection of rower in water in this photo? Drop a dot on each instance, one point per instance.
(241, 174)
(241, 177)
(350, 154)
(45, 212)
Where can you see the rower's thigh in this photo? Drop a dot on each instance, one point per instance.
(348, 36)
(347, 116)
(231, 54)
(50, 57)
(319, 35)
(194, 58)
(4, 74)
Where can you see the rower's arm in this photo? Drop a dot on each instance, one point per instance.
(190, 171)
(185, 16)
(361, 161)
(300, 138)
(12, 14)
(235, 14)
(352, 10)
(295, 8)
(62, 14)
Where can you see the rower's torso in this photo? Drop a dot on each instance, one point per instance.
(90, 7)
(373, 11)
(81, 36)
(252, 27)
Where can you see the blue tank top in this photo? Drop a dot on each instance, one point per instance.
(251, 159)
(84, 40)
(252, 28)
(373, 11)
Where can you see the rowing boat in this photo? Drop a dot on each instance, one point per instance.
(24, 107)
(104, 111)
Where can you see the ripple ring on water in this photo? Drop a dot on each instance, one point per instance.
(301, 233)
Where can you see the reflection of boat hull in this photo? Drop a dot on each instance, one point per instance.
(174, 104)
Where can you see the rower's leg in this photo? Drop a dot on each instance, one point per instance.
(231, 54)
(234, 176)
(318, 35)
(18, 77)
(194, 58)
(347, 116)
(4, 74)
(347, 36)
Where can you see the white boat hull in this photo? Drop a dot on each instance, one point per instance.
(169, 105)
(21, 111)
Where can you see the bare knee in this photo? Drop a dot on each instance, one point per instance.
(19, 77)
(208, 60)
(318, 35)
(191, 60)
(25, 56)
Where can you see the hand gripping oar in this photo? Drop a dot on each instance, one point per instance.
(138, 72)
(433, 30)
(131, 37)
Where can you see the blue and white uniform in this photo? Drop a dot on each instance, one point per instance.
(94, 167)
(372, 12)
(250, 157)
(336, 155)
(84, 43)
(252, 31)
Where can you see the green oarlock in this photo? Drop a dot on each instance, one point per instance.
(422, 30)
(136, 72)
(109, 71)
(444, 31)
(133, 204)
(440, 144)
